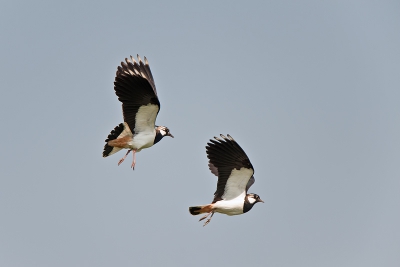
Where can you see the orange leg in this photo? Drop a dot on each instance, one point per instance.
(122, 160)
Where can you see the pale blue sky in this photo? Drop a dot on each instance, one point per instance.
(309, 89)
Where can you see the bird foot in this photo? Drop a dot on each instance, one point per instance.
(207, 222)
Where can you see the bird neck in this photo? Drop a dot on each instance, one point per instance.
(247, 205)
(158, 137)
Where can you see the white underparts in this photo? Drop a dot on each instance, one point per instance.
(230, 207)
(235, 191)
(144, 127)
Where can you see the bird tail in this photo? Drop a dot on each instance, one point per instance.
(196, 210)
(109, 150)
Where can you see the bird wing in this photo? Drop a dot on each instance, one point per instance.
(214, 170)
(134, 85)
(230, 163)
(251, 181)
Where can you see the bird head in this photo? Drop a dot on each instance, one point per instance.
(254, 198)
(164, 131)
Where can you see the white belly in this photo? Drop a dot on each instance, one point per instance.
(230, 207)
(142, 140)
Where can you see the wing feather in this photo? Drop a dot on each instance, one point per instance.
(230, 163)
(134, 85)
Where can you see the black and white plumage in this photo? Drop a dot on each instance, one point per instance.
(134, 85)
(229, 162)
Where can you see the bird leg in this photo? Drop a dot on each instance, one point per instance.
(122, 160)
(209, 219)
(205, 216)
(134, 160)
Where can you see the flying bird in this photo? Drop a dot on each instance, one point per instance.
(134, 85)
(229, 162)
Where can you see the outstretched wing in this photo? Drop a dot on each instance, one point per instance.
(250, 183)
(230, 163)
(214, 170)
(134, 85)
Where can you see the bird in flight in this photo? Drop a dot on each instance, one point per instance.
(134, 85)
(229, 162)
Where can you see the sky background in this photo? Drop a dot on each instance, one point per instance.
(309, 89)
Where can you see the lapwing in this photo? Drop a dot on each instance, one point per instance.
(229, 162)
(134, 85)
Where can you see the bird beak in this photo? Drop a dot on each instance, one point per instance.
(169, 134)
(260, 200)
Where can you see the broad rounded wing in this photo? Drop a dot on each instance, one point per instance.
(135, 88)
(230, 163)
(214, 170)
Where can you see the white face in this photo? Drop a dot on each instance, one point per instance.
(251, 199)
(164, 131)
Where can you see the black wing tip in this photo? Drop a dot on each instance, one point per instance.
(218, 147)
(133, 65)
(227, 138)
(133, 59)
(145, 60)
(133, 68)
(137, 56)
